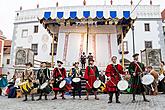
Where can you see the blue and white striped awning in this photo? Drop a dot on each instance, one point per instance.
(88, 14)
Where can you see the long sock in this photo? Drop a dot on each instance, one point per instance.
(79, 93)
(133, 96)
(144, 96)
(63, 94)
(73, 93)
(25, 97)
(110, 96)
(117, 96)
(32, 97)
(56, 94)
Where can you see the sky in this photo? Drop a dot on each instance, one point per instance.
(8, 8)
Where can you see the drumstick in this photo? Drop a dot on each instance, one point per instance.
(112, 82)
(89, 85)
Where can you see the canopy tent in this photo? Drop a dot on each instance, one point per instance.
(53, 19)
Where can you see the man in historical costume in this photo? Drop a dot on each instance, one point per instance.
(75, 72)
(90, 57)
(28, 75)
(113, 73)
(136, 70)
(59, 74)
(91, 75)
(43, 76)
(83, 60)
(154, 85)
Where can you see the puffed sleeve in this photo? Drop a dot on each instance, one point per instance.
(86, 73)
(108, 71)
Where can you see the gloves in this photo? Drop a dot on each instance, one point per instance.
(134, 74)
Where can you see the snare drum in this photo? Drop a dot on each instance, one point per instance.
(65, 86)
(99, 85)
(147, 79)
(122, 85)
(45, 87)
(76, 80)
(25, 87)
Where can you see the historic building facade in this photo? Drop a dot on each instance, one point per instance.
(29, 33)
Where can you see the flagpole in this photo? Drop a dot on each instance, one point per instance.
(87, 38)
(122, 46)
(53, 50)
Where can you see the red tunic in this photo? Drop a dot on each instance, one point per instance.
(58, 74)
(111, 85)
(91, 74)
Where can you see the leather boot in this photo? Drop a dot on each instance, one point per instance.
(46, 97)
(33, 97)
(117, 97)
(110, 97)
(25, 98)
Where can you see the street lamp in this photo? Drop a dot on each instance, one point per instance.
(133, 38)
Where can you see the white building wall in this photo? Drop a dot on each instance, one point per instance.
(44, 43)
(162, 37)
(141, 36)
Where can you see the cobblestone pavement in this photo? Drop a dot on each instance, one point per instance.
(156, 103)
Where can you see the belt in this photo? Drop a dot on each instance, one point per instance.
(91, 75)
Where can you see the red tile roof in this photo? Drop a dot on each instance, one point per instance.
(163, 14)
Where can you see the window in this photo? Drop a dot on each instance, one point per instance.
(8, 61)
(125, 43)
(55, 49)
(147, 26)
(35, 29)
(24, 33)
(148, 44)
(35, 49)
(164, 30)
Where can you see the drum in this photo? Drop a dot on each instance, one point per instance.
(147, 79)
(65, 86)
(68, 80)
(99, 85)
(62, 84)
(45, 87)
(161, 77)
(25, 87)
(76, 80)
(122, 85)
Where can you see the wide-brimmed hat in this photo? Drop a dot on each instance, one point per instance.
(135, 55)
(43, 62)
(59, 62)
(76, 62)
